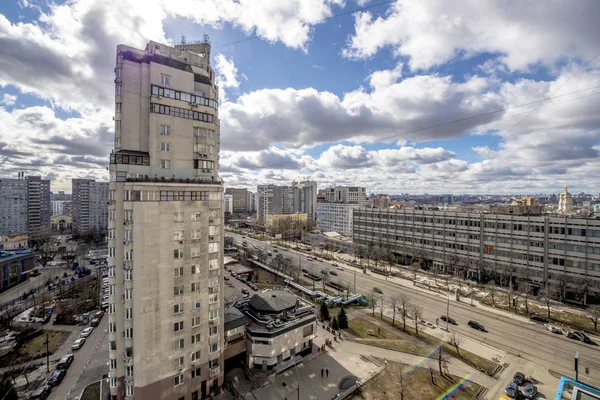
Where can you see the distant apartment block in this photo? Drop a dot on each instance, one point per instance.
(240, 199)
(24, 204)
(301, 197)
(228, 198)
(563, 252)
(61, 203)
(335, 217)
(251, 201)
(345, 194)
(89, 205)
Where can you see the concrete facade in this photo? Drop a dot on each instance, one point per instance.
(24, 204)
(240, 199)
(335, 217)
(89, 205)
(345, 194)
(300, 197)
(564, 252)
(286, 224)
(228, 198)
(15, 267)
(165, 226)
(14, 242)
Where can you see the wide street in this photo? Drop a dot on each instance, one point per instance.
(531, 341)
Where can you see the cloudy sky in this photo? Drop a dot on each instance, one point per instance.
(409, 96)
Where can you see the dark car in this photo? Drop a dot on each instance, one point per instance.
(65, 362)
(40, 393)
(538, 318)
(226, 277)
(377, 290)
(476, 325)
(529, 391)
(450, 320)
(304, 269)
(56, 377)
(511, 390)
(581, 337)
(254, 287)
(519, 378)
(245, 291)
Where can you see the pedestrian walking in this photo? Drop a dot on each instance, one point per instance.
(321, 372)
(327, 372)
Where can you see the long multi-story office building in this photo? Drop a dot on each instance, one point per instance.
(165, 226)
(24, 204)
(89, 205)
(536, 249)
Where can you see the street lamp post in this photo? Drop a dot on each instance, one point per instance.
(297, 379)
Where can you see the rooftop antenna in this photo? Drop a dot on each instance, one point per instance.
(206, 38)
(182, 40)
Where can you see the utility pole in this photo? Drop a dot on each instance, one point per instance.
(354, 281)
(447, 307)
(47, 342)
(577, 367)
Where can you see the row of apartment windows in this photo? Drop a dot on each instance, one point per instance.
(183, 96)
(195, 269)
(165, 195)
(183, 113)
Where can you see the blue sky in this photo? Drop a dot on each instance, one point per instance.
(345, 100)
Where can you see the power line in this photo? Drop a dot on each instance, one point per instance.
(343, 14)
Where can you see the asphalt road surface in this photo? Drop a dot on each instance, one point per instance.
(532, 341)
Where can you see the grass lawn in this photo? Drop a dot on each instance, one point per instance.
(358, 327)
(416, 385)
(429, 343)
(37, 344)
(92, 392)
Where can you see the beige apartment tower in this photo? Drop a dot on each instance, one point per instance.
(165, 226)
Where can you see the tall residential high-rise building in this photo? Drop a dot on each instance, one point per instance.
(89, 205)
(24, 204)
(346, 194)
(61, 203)
(251, 202)
(300, 197)
(165, 226)
(240, 199)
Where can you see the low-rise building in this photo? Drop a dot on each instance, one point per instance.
(235, 333)
(14, 242)
(286, 224)
(15, 267)
(281, 329)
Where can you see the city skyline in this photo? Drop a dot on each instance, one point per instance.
(346, 101)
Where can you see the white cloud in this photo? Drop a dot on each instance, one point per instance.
(227, 76)
(432, 32)
(8, 99)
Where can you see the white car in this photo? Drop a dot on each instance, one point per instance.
(552, 328)
(87, 332)
(340, 268)
(78, 344)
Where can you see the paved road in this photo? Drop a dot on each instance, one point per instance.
(88, 366)
(532, 341)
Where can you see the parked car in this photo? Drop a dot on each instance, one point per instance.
(65, 362)
(552, 328)
(565, 331)
(450, 320)
(332, 272)
(56, 377)
(226, 277)
(254, 287)
(539, 318)
(511, 390)
(98, 314)
(529, 391)
(95, 322)
(104, 305)
(41, 393)
(304, 269)
(377, 290)
(476, 325)
(78, 344)
(519, 378)
(581, 337)
(245, 291)
(334, 264)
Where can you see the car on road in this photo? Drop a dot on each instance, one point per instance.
(41, 393)
(511, 390)
(65, 362)
(340, 268)
(245, 291)
(519, 378)
(95, 322)
(476, 325)
(377, 290)
(56, 377)
(334, 264)
(581, 337)
(226, 277)
(309, 258)
(450, 320)
(254, 287)
(565, 331)
(529, 391)
(78, 344)
(304, 269)
(332, 272)
(104, 305)
(552, 328)
(98, 314)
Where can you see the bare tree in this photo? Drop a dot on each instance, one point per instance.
(397, 374)
(594, 311)
(44, 244)
(382, 306)
(373, 301)
(491, 287)
(456, 340)
(404, 307)
(417, 315)
(525, 292)
(441, 357)
(325, 280)
(548, 294)
(393, 304)
(415, 267)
